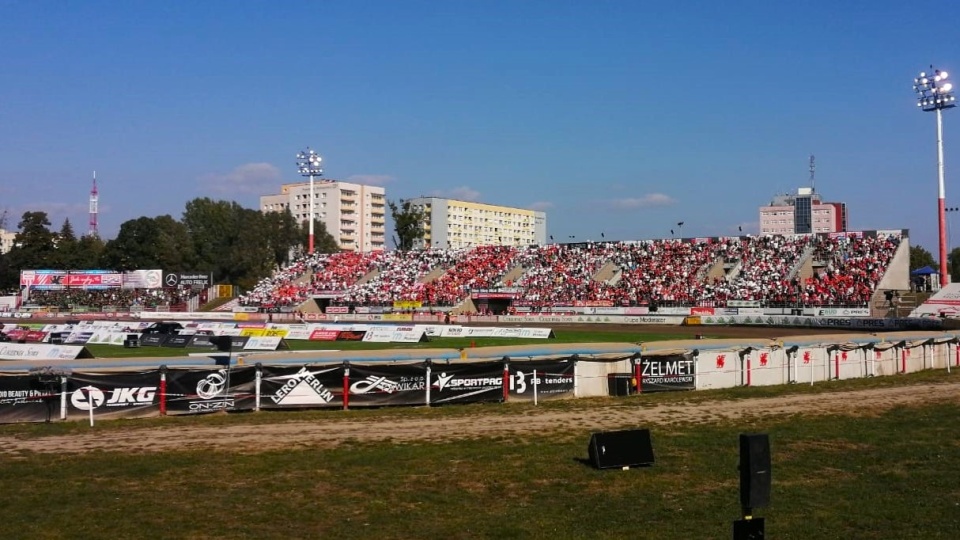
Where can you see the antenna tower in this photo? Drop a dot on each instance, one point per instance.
(94, 199)
(813, 169)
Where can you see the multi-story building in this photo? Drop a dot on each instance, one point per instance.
(6, 240)
(354, 214)
(802, 213)
(455, 224)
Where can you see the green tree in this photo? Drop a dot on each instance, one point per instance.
(920, 257)
(150, 243)
(408, 223)
(34, 248)
(67, 247)
(953, 260)
(323, 241)
(90, 250)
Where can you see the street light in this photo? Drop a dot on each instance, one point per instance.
(934, 93)
(309, 164)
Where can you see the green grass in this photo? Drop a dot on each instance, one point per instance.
(592, 336)
(889, 475)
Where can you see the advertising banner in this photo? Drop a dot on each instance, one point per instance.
(554, 379)
(303, 387)
(177, 341)
(339, 310)
(25, 398)
(42, 351)
(666, 373)
(395, 334)
(43, 279)
(382, 385)
(263, 343)
(351, 335)
(466, 383)
(142, 279)
(113, 395)
(153, 340)
(324, 335)
(93, 279)
(198, 391)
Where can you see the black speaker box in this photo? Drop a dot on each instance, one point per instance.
(619, 449)
(754, 470)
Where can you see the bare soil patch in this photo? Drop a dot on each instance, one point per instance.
(300, 434)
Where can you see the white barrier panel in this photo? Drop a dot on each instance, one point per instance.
(39, 351)
(394, 334)
(107, 337)
(262, 344)
(594, 319)
(452, 331)
(826, 322)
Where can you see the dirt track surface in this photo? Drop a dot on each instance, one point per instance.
(299, 434)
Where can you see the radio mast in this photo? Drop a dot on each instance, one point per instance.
(813, 169)
(94, 199)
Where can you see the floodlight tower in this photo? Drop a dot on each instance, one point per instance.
(309, 164)
(934, 93)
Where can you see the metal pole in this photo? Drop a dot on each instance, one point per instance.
(310, 247)
(941, 208)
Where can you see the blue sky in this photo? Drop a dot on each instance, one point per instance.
(621, 117)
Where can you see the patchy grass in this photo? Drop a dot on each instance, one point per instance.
(895, 475)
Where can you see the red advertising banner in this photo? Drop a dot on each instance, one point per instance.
(43, 279)
(90, 279)
(324, 335)
(700, 310)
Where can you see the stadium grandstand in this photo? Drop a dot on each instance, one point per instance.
(816, 270)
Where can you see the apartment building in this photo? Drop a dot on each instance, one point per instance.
(455, 224)
(6, 240)
(802, 213)
(354, 214)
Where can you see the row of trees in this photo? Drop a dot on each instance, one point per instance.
(237, 245)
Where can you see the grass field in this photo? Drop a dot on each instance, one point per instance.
(566, 336)
(892, 473)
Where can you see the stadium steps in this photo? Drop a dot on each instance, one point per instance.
(712, 271)
(804, 267)
(466, 306)
(367, 277)
(606, 272)
(305, 278)
(617, 276)
(432, 275)
(513, 275)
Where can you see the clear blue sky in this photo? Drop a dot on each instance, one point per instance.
(621, 117)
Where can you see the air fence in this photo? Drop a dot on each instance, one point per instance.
(48, 394)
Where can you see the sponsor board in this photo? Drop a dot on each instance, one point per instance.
(667, 373)
(339, 310)
(452, 331)
(262, 343)
(143, 279)
(592, 319)
(395, 334)
(467, 383)
(264, 332)
(828, 322)
(698, 310)
(113, 395)
(41, 351)
(301, 387)
(324, 335)
(192, 391)
(8, 303)
(842, 312)
(546, 379)
(387, 385)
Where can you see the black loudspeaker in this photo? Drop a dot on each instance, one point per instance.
(754, 470)
(619, 449)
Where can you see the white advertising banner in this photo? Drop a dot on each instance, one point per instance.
(657, 318)
(39, 351)
(262, 344)
(394, 334)
(8, 303)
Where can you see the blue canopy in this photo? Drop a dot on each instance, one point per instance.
(925, 271)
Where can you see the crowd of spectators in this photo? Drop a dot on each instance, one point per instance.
(846, 271)
(98, 299)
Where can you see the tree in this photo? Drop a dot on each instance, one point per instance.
(34, 248)
(67, 247)
(920, 257)
(408, 222)
(954, 262)
(150, 243)
(323, 241)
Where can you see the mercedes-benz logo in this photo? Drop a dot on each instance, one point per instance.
(171, 280)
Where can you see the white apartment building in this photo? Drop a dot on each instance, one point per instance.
(455, 224)
(6, 240)
(354, 214)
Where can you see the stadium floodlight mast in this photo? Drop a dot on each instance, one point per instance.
(934, 93)
(309, 164)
